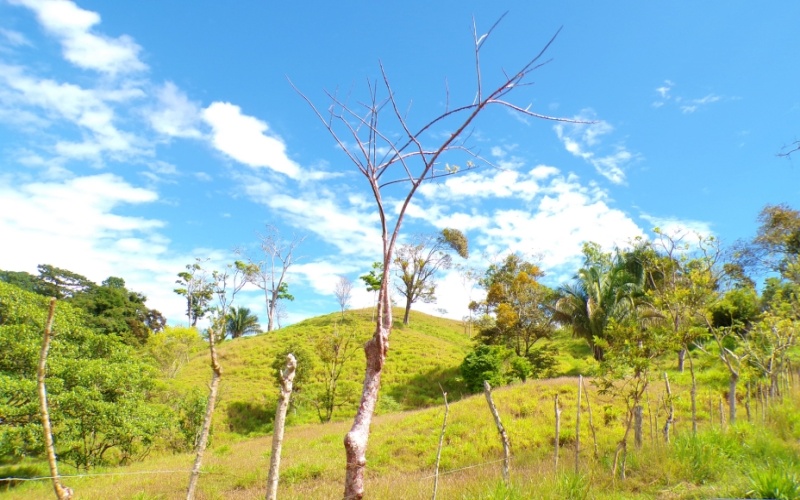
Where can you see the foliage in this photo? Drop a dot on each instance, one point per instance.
(196, 288)
(491, 363)
(97, 387)
(608, 287)
(241, 321)
(775, 484)
(172, 348)
(518, 306)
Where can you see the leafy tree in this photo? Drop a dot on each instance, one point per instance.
(172, 348)
(97, 387)
(196, 288)
(418, 262)
(334, 349)
(491, 363)
(607, 287)
(60, 283)
(373, 280)
(520, 305)
(241, 321)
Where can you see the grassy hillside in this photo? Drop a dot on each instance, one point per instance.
(719, 462)
(421, 356)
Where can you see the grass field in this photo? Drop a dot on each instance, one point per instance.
(722, 461)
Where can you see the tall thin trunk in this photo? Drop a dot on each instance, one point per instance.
(216, 374)
(408, 310)
(670, 410)
(681, 359)
(441, 441)
(591, 423)
(578, 424)
(732, 396)
(62, 493)
(557, 439)
(638, 421)
(355, 441)
(287, 380)
(693, 395)
(487, 390)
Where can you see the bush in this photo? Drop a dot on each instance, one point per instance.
(494, 364)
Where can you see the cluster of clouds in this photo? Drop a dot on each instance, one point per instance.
(59, 212)
(686, 105)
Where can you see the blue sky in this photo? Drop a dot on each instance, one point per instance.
(136, 136)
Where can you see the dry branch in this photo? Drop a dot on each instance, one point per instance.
(487, 390)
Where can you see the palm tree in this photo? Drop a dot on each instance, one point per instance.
(241, 321)
(605, 288)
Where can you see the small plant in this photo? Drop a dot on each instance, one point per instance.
(774, 483)
(573, 486)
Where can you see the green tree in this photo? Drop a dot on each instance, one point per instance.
(241, 321)
(373, 281)
(171, 348)
(607, 287)
(97, 387)
(418, 262)
(197, 289)
(519, 308)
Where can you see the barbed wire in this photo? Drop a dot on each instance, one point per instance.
(453, 471)
(95, 474)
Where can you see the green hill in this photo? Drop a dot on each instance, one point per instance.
(421, 356)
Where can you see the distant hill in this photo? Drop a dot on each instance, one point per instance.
(421, 356)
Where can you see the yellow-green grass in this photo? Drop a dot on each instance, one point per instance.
(402, 452)
(422, 355)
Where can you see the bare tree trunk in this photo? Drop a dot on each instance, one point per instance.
(578, 425)
(408, 310)
(591, 424)
(638, 418)
(693, 394)
(287, 380)
(747, 401)
(355, 441)
(62, 493)
(721, 414)
(670, 411)
(206, 430)
(557, 440)
(622, 448)
(681, 359)
(732, 396)
(650, 417)
(441, 441)
(487, 390)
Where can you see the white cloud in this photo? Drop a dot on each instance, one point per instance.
(244, 138)
(15, 38)
(696, 103)
(176, 115)
(74, 224)
(84, 108)
(72, 26)
(351, 228)
(583, 140)
(674, 226)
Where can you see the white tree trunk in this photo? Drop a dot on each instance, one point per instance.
(487, 390)
(212, 402)
(287, 381)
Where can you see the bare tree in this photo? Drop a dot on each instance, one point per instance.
(268, 272)
(343, 292)
(418, 262)
(392, 152)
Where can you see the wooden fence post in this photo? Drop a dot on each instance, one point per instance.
(487, 390)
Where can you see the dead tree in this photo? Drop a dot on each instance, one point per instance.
(287, 380)
(487, 390)
(216, 374)
(268, 272)
(62, 493)
(391, 152)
